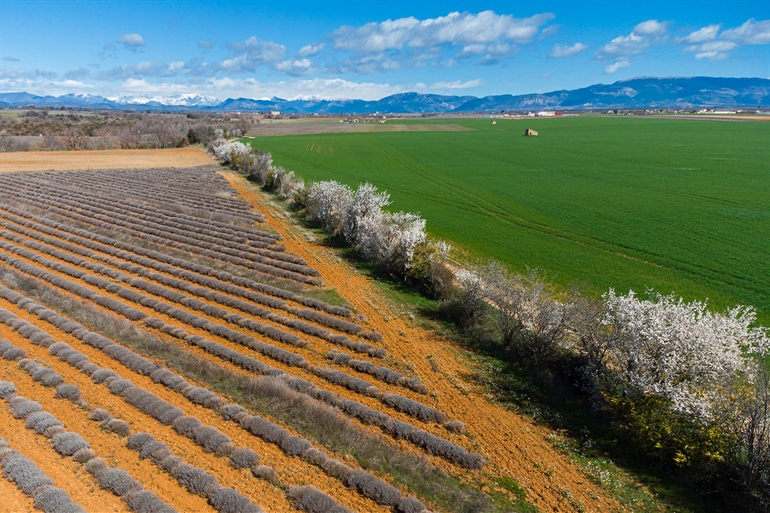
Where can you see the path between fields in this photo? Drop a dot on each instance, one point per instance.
(513, 445)
(102, 159)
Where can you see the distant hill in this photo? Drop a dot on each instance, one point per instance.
(636, 93)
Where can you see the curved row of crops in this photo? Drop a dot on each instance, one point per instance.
(81, 253)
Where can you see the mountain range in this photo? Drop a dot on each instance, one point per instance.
(635, 93)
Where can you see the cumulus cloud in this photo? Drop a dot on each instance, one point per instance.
(457, 84)
(132, 41)
(486, 35)
(707, 43)
(310, 50)
(456, 28)
(73, 84)
(612, 68)
(752, 32)
(562, 51)
(251, 54)
(643, 36)
(699, 36)
(295, 67)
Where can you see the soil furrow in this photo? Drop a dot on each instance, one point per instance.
(291, 471)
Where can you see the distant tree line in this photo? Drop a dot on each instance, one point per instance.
(74, 130)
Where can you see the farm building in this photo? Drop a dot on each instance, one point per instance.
(531, 132)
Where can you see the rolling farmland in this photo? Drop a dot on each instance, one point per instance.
(162, 351)
(679, 206)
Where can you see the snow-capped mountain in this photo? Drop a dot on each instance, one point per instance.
(178, 100)
(636, 93)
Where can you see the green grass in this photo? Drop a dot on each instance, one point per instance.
(679, 206)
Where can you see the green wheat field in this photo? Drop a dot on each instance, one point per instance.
(630, 203)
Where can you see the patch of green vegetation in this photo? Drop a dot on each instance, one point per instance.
(329, 296)
(679, 206)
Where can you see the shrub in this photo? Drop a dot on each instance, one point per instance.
(7, 389)
(102, 374)
(264, 472)
(55, 500)
(27, 476)
(21, 407)
(294, 445)
(227, 500)
(144, 501)
(41, 421)
(116, 480)
(196, 480)
(118, 386)
(84, 455)
(243, 457)
(150, 448)
(186, 425)
(100, 415)
(68, 443)
(48, 377)
(410, 505)
(373, 488)
(138, 440)
(209, 438)
(119, 427)
(413, 408)
(69, 392)
(14, 353)
(313, 500)
(455, 426)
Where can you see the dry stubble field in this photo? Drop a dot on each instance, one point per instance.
(162, 351)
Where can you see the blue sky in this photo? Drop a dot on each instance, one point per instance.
(368, 50)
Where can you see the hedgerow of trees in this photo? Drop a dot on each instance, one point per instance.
(689, 386)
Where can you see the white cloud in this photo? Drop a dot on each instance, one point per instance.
(457, 84)
(559, 51)
(612, 68)
(251, 54)
(132, 40)
(713, 50)
(643, 36)
(295, 67)
(73, 84)
(460, 29)
(205, 44)
(752, 32)
(705, 44)
(310, 50)
(707, 33)
(651, 28)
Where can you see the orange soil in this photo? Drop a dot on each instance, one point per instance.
(313, 356)
(292, 471)
(102, 159)
(339, 390)
(13, 500)
(514, 446)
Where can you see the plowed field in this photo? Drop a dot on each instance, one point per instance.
(162, 350)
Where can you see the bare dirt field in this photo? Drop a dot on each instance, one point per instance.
(266, 129)
(102, 159)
